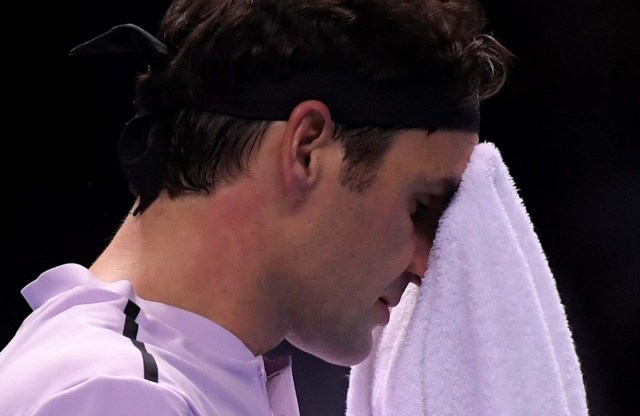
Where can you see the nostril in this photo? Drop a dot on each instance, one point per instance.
(420, 262)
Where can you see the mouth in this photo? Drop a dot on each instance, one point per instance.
(390, 302)
(392, 297)
(386, 311)
(416, 280)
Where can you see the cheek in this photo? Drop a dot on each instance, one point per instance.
(394, 243)
(373, 238)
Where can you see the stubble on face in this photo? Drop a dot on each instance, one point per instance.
(364, 243)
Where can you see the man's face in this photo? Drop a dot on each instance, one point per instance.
(360, 250)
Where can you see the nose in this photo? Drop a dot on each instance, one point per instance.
(420, 260)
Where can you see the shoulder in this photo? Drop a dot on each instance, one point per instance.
(74, 351)
(110, 395)
(75, 344)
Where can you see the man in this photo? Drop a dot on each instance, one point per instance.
(290, 161)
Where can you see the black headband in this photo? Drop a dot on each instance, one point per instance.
(419, 101)
(414, 102)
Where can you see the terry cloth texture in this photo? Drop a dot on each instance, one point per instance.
(486, 334)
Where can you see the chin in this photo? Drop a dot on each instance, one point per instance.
(347, 360)
(344, 353)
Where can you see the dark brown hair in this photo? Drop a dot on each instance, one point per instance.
(215, 44)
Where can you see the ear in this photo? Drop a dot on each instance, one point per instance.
(309, 130)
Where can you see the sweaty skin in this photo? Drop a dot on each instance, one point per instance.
(286, 251)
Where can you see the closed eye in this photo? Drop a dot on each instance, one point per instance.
(421, 212)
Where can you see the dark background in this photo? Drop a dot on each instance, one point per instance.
(566, 123)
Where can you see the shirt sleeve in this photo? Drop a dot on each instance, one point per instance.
(111, 396)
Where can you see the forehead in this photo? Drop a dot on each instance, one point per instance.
(435, 160)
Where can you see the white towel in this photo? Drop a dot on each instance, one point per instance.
(486, 334)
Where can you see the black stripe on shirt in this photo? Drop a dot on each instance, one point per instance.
(130, 331)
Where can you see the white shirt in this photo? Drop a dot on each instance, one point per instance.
(95, 348)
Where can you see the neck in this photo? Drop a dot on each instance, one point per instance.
(191, 253)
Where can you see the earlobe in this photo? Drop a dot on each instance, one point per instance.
(309, 130)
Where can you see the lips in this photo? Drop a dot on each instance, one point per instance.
(395, 291)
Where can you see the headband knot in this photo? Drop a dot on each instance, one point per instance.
(141, 151)
(428, 99)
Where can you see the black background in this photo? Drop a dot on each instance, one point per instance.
(566, 124)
